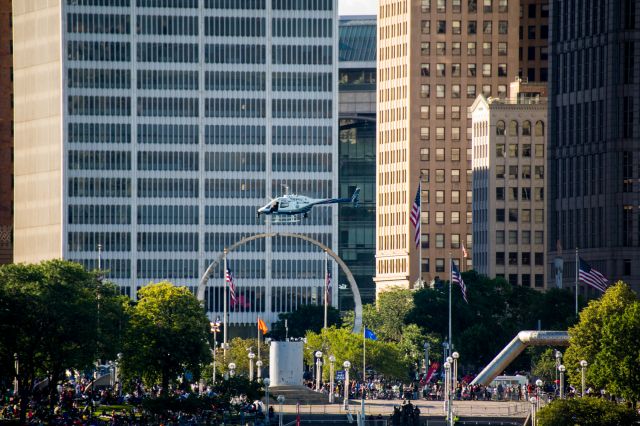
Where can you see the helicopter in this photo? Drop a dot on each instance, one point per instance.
(292, 204)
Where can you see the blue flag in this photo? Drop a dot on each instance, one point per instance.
(370, 334)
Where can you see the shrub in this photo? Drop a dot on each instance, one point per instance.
(586, 412)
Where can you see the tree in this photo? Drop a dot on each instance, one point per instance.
(384, 357)
(305, 318)
(604, 337)
(168, 335)
(544, 366)
(586, 412)
(238, 353)
(49, 317)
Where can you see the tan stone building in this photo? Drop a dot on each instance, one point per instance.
(6, 133)
(434, 58)
(509, 185)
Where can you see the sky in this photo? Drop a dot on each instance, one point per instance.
(357, 7)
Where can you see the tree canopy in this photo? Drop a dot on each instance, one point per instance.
(305, 318)
(168, 334)
(608, 337)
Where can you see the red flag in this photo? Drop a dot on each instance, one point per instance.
(465, 254)
(432, 369)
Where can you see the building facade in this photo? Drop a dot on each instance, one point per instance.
(154, 130)
(594, 140)
(534, 40)
(357, 153)
(434, 58)
(509, 185)
(6, 133)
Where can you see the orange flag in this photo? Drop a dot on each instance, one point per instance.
(262, 326)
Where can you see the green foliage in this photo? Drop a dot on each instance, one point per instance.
(168, 334)
(607, 338)
(306, 318)
(544, 366)
(50, 315)
(586, 412)
(238, 353)
(384, 357)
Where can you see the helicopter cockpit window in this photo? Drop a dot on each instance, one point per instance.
(284, 204)
(274, 206)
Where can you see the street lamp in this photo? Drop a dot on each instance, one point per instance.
(280, 401)
(266, 383)
(215, 328)
(347, 366)
(112, 379)
(447, 390)
(533, 401)
(426, 347)
(16, 365)
(259, 368)
(539, 384)
(232, 369)
(117, 373)
(318, 355)
(558, 362)
(251, 357)
(332, 360)
(583, 368)
(454, 382)
(562, 369)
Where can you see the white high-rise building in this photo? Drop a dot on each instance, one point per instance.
(154, 129)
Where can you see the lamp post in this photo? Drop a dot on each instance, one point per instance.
(332, 360)
(447, 390)
(583, 368)
(426, 347)
(562, 369)
(251, 357)
(558, 362)
(318, 355)
(112, 379)
(117, 373)
(538, 390)
(280, 401)
(259, 368)
(346, 366)
(215, 328)
(16, 386)
(266, 383)
(532, 400)
(454, 380)
(232, 369)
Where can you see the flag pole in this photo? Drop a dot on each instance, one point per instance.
(577, 274)
(364, 372)
(420, 219)
(258, 325)
(224, 304)
(326, 289)
(450, 285)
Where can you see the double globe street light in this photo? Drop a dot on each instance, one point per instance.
(347, 366)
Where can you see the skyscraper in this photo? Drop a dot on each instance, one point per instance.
(594, 139)
(6, 133)
(434, 58)
(148, 132)
(357, 152)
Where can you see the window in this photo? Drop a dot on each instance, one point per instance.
(486, 70)
(538, 172)
(499, 215)
(425, 91)
(472, 6)
(455, 70)
(455, 197)
(499, 258)
(538, 237)
(526, 150)
(440, 88)
(424, 70)
(440, 218)
(439, 240)
(486, 48)
(441, 48)
(499, 237)
(456, 27)
(513, 150)
(471, 91)
(502, 90)
(502, 6)
(441, 6)
(502, 49)
(425, 48)
(426, 6)
(455, 154)
(471, 48)
(500, 150)
(486, 90)
(531, 32)
(526, 238)
(472, 27)
(525, 215)
(440, 176)
(455, 133)
(439, 265)
(539, 151)
(424, 154)
(513, 128)
(455, 241)
(424, 111)
(455, 48)
(499, 172)
(539, 128)
(487, 6)
(440, 70)
(500, 193)
(513, 172)
(440, 154)
(503, 27)
(455, 91)
(525, 258)
(539, 216)
(455, 112)
(455, 217)
(426, 27)
(513, 258)
(513, 194)
(440, 112)
(513, 237)
(526, 128)
(456, 6)
(502, 70)
(539, 259)
(441, 27)
(486, 27)
(455, 175)
(500, 126)
(439, 133)
(513, 215)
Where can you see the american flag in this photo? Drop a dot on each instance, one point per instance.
(327, 287)
(456, 278)
(592, 277)
(414, 217)
(228, 277)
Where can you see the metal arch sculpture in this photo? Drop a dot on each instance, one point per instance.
(357, 323)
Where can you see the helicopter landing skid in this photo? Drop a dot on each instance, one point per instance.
(285, 219)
